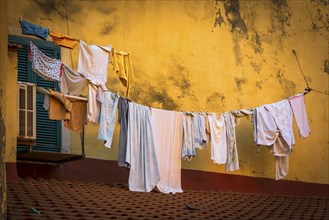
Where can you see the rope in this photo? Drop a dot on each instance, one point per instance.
(308, 87)
(68, 31)
(294, 52)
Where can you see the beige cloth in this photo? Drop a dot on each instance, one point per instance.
(122, 66)
(72, 111)
(61, 97)
(78, 116)
(57, 110)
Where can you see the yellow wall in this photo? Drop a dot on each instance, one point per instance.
(206, 55)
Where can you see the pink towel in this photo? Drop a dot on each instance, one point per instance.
(298, 107)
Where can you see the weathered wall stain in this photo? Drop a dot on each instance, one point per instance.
(150, 95)
(257, 67)
(50, 7)
(326, 66)
(107, 27)
(239, 81)
(180, 79)
(104, 8)
(320, 16)
(282, 12)
(232, 13)
(259, 84)
(216, 101)
(219, 20)
(256, 42)
(198, 12)
(288, 86)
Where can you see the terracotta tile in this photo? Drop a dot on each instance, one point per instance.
(60, 199)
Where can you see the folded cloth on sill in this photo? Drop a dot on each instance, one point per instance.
(46, 67)
(78, 115)
(63, 40)
(33, 29)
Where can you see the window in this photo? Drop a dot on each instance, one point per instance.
(48, 133)
(26, 110)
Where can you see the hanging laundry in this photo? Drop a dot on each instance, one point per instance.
(218, 138)
(274, 129)
(71, 82)
(299, 109)
(168, 137)
(108, 117)
(242, 113)
(203, 137)
(61, 97)
(32, 29)
(46, 67)
(78, 115)
(232, 162)
(63, 40)
(56, 110)
(94, 103)
(122, 66)
(141, 152)
(46, 97)
(93, 61)
(123, 108)
(71, 110)
(188, 149)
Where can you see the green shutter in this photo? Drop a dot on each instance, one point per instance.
(48, 132)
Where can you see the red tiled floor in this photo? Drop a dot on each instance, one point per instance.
(60, 199)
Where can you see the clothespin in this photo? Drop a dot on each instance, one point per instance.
(118, 93)
(20, 18)
(49, 30)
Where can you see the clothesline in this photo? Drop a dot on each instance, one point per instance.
(272, 125)
(222, 72)
(307, 90)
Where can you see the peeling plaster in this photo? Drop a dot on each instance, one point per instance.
(257, 67)
(107, 28)
(216, 99)
(259, 84)
(150, 96)
(219, 20)
(256, 42)
(239, 82)
(288, 86)
(180, 79)
(232, 13)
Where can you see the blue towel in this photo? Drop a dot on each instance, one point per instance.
(32, 29)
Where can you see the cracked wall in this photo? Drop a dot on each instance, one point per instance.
(209, 56)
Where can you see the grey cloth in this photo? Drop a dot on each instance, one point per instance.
(123, 108)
